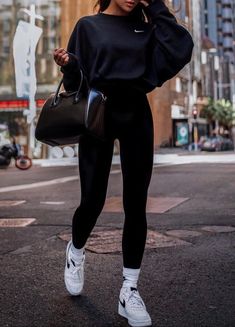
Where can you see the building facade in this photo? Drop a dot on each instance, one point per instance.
(173, 104)
(218, 25)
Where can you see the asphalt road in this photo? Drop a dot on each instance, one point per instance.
(188, 284)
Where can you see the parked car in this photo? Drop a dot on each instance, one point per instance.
(216, 143)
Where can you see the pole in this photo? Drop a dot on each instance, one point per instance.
(190, 104)
(216, 84)
(195, 135)
(220, 78)
(190, 125)
(32, 104)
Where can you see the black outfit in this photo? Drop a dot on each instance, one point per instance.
(126, 58)
(131, 124)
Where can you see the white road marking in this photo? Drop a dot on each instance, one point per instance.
(38, 184)
(16, 222)
(52, 202)
(43, 184)
(219, 229)
(6, 203)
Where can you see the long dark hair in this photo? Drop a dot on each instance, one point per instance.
(137, 12)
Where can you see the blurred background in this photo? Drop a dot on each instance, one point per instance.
(191, 111)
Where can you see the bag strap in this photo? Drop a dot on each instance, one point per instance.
(77, 96)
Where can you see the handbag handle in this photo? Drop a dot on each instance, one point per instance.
(55, 99)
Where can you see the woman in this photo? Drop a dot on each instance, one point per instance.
(126, 50)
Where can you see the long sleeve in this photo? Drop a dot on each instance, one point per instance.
(171, 45)
(71, 71)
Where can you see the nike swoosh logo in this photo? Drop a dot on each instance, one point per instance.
(139, 31)
(122, 303)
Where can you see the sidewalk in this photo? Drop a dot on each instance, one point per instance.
(161, 157)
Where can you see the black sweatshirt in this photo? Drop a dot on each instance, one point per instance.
(122, 50)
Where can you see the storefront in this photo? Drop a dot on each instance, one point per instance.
(182, 135)
(180, 126)
(12, 116)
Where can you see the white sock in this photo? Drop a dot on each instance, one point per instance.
(130, 277)
(77, 254)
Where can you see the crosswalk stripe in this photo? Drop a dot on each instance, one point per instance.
(45, 183)
(38, 184)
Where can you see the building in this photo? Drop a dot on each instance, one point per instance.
(173, 104)
(218, 25)
(71, 11)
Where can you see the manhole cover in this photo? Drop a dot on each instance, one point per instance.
(157, 240)
(7, 203)
(16, 222)
(219, 229)
(154, 205)
(109, 241)
(183, 233)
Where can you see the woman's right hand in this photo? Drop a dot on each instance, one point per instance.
(61, 57)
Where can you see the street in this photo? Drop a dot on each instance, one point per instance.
(188, 272)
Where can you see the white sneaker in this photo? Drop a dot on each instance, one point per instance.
(73, 273)
(132, 307)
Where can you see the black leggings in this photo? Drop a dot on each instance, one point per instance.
(129, 121)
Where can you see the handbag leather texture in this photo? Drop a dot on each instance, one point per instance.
(65, 116)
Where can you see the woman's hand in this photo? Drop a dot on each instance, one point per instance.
(61, 57)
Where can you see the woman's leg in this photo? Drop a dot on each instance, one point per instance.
(136, 149)
(94, 165)
(95, 159)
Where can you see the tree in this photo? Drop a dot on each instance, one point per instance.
(219, 112)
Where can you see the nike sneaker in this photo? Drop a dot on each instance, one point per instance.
(73, 273)
(132, 307)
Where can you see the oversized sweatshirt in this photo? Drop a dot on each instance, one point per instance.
(121, 50)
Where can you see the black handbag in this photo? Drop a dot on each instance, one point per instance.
(65, 116)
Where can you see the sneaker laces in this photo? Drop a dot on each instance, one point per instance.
(134, 299)
(76, 266)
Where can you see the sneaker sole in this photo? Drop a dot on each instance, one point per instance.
(132, 322)
(70, 291)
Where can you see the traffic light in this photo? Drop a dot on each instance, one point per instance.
(195, 113)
